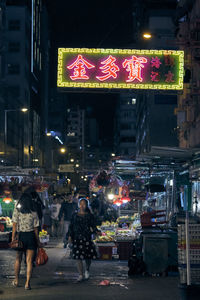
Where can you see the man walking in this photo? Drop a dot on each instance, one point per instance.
(67, 209)
(55, 209)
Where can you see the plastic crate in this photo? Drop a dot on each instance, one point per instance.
(194, 273)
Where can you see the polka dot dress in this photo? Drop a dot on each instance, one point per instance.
(84, 249)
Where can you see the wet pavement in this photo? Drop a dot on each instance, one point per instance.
(57, 280)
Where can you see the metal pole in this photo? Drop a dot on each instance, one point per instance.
(5, 132)
(187, 236)
(52, 160)
(83, 140)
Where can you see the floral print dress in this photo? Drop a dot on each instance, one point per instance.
(80, 230)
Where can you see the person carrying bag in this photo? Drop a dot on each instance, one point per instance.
(25, 236)
(16, 244)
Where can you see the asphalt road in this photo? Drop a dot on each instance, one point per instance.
(57, 280)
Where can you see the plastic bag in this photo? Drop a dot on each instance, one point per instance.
(42, 257)
(104, 282)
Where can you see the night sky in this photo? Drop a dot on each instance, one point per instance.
(95, 24)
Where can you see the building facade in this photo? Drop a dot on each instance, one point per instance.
(188, 39)
(2, 76)
(24, 82)
(125, 126)
(156, 122)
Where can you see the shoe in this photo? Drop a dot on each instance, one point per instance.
(27, 288)
(87, 275)
(15, 284)
(80, 278)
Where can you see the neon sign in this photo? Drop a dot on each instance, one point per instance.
(120, 69)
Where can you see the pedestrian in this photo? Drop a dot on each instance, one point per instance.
(47, 220)
(37, 202)
(76, 198)
(55, 209)
(68, 207)
(25, 225)
(81, 229)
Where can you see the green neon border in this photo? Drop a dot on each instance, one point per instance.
(103, 85)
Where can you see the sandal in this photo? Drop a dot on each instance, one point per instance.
(27, 288)
(15, 284)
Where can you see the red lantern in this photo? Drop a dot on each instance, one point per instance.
(118, 202)
(125, 199)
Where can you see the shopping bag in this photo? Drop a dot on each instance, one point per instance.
(42, 257)
(16, 244)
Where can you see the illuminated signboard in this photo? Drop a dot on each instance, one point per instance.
(120, 69)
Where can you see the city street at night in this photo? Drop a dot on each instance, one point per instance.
(100, 149)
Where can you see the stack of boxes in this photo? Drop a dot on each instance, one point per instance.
(194, 251)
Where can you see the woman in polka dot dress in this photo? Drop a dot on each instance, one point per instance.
(80, 232)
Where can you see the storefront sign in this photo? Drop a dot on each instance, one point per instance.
(66, 168)
(120, 69)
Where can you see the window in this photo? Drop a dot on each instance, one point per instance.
(165, 99)
(127, 114)
(14, 47)
(125, 126)
(14, 91)
(13, 69)
(133, 101)
(14, 25)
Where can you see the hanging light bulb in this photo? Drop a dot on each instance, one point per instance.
(118, 202)
(125, 199)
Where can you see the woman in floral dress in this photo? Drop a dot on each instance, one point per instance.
(80, 232)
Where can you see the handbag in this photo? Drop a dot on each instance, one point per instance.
(16, 244)
(42, 257)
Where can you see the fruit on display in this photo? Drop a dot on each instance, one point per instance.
(109, 224)
(109, 233)
(123, 234)
(44, 237)
(105, 238)
(6, 220)
(43, 233)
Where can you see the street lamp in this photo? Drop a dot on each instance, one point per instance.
(5, 124)
(24, 109)
(147, 35)
(111, 196)
(62, 150)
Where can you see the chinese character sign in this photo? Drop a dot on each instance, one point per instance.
(120, 69)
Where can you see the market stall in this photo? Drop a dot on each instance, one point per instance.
(6, 209)
(117, 237)
(11, 188)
